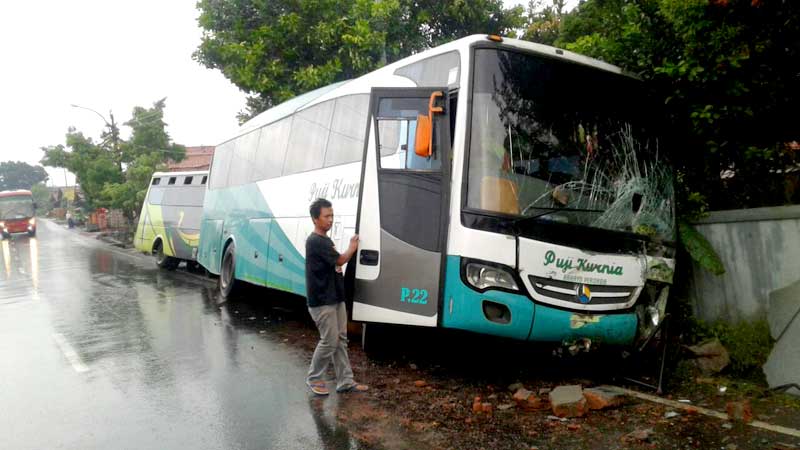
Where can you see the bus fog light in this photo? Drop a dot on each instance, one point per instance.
(482, 276)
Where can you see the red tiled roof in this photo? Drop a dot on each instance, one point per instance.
(197, 158)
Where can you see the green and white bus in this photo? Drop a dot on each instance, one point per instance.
(498, 186)
(169, 224)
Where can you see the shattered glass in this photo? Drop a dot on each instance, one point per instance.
(566, 143)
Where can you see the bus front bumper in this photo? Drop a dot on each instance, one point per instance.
(506, 314)
(18, 226)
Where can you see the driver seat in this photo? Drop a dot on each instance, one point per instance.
(500, 195)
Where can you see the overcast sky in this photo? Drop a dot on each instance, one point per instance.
(107, 55)
(104, 55)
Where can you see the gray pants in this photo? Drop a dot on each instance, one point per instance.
(331, 322)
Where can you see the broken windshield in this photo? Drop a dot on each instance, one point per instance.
(16, 207)
(568, 140)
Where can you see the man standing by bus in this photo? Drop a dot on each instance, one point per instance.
(325, 293)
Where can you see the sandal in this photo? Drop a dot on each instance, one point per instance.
(355, 387)
(318, 387)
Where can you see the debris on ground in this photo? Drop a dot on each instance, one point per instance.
(641, 434)
(515, 387)
(710, 356)
(602, 397)
(671, 414)
(740, 411)
(568, 401)
(420, 383)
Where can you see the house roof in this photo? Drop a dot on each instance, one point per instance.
(197, 158)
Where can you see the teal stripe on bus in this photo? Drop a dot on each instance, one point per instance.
(529, 321)
(238, 207)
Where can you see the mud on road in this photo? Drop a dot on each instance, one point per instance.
(424, 384)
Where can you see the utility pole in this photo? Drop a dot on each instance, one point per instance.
(113, 134)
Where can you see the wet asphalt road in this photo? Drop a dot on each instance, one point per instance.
(99, 349)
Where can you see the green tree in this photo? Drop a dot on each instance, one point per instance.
(93, 164)
(544, 21)
(20, 175)
(41, 196)
(727, 73)
(114, 173)
(276, 50)
(147, 150)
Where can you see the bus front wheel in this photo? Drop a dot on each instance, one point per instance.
(227, 276)
(163, 261)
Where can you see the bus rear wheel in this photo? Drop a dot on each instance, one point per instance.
(228, 284)
(163, 261)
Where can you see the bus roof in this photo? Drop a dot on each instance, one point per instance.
(385, 77)
(15, 193)
(178, 174)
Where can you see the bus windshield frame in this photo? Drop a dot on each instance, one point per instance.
(558, 142)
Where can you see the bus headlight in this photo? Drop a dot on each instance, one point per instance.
(32, 221)
(2, 224)
(483, 276)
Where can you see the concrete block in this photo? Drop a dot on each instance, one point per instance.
(568, 401)
(602, 397)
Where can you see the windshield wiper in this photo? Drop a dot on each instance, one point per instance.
(547, 211)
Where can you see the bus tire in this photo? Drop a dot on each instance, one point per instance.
(228, 284)
(32, 233)
(163, 261)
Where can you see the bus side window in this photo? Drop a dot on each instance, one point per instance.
(156, 181)
(271, 150)
(172, 180)
(155, 196)
(242, 161)
(204, 180)
(310, 129)
(220, 165)
(348, 126)
(188, 180)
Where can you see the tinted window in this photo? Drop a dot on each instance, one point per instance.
(346, 141)
(243, 158)
(172, 180)
(220, 165)
(188, 180)
(205, 178)
(310, 129)
(272, 149)
(155, 196)
(156, 181)
(184, 196)
(441, 70)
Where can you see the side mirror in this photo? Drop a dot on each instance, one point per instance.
(35, 206)
(424, 136)
(423, 140)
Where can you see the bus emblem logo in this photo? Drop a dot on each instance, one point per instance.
(583, 293)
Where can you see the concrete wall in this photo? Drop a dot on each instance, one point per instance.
(761, 251)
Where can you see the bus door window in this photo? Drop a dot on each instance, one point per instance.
(397, 126)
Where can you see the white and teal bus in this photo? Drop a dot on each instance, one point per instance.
(498, 186)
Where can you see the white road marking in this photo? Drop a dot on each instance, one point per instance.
(70, 353)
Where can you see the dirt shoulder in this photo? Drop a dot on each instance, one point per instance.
(424, 386)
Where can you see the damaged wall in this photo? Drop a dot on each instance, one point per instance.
(759, 248)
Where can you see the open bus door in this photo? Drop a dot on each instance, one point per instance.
(403, 204)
